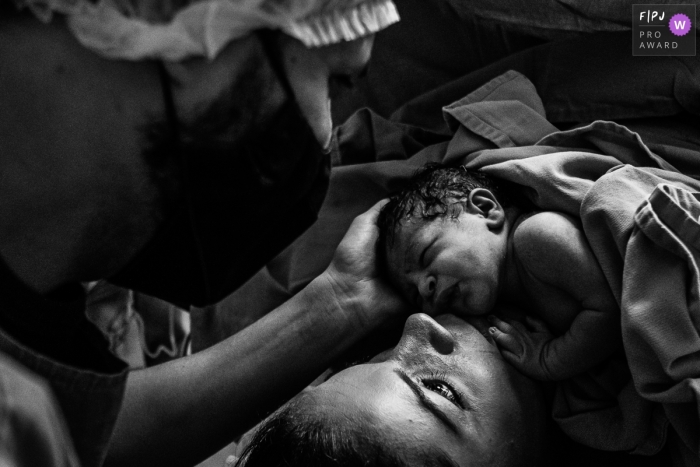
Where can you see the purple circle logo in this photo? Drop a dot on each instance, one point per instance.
(679, 24)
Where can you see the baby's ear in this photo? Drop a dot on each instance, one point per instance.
(483, 202)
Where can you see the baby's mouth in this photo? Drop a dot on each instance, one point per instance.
(446, 298)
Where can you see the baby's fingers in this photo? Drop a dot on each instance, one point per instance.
(505, 336)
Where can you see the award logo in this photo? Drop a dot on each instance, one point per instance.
(667, 30)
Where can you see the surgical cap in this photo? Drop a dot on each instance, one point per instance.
(179, 29)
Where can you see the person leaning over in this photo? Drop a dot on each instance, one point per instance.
(172, 148)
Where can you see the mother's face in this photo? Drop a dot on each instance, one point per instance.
(444, 391)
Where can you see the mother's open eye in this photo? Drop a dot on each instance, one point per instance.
(438, 386)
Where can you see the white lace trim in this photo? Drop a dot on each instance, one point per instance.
(114, 29)
(337, 26)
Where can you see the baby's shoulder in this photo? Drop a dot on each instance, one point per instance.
(546, 234)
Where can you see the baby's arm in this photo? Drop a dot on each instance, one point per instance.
(552, 251)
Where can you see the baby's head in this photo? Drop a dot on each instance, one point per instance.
(443, 240)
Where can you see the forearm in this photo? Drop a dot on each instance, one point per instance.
(592, 337)
(180, 412)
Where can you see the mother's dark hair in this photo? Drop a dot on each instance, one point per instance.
(301, 434)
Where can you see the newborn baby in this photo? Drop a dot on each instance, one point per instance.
(456, 242)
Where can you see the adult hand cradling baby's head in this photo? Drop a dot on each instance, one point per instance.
(356, 277)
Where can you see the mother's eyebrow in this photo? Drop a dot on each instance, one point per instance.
(428, 404)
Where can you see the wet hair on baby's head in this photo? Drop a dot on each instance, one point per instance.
(434, 191)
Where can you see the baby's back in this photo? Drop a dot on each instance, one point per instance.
(537, 256)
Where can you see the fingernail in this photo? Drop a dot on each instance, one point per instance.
(492, 330)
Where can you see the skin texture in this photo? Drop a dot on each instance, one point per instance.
(485, 403)
(540, 262)
(78, 201)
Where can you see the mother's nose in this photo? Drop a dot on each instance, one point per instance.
(423, 333)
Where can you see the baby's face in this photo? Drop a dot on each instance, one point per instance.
(448, 265)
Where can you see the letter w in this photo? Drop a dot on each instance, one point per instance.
(679, 25)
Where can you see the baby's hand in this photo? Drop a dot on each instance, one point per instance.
(526, 349)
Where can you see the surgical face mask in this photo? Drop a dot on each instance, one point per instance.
(240, 209)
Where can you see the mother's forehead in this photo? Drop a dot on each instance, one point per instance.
(177, 29)
(367, 397)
